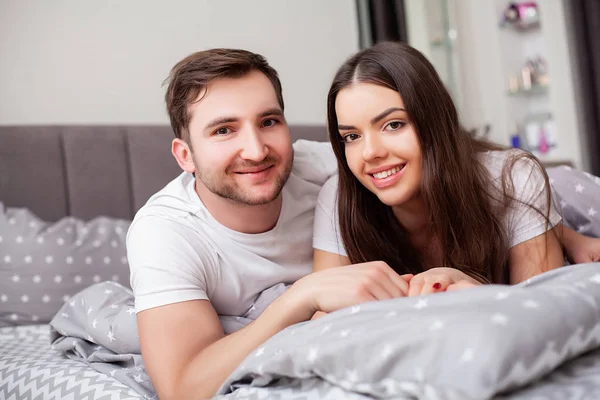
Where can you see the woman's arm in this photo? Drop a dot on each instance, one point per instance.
(534, 256)
(534, 222)
(323, 259)
(327, 241)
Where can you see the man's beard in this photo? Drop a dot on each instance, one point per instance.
(220, 185)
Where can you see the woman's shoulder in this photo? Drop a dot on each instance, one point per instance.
(328, 193)
(515, 172)
(515, 162)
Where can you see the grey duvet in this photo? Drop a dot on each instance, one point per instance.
(539, 339)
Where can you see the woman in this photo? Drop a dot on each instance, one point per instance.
(416, 191)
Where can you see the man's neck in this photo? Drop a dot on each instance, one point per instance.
(241, 217)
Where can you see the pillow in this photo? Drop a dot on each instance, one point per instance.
(576, 196)
(43, 264)
(467, 344)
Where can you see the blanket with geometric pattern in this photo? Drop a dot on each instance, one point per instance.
(31, 370)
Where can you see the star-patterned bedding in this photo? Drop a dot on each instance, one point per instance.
(31, 370)
(470, 344)
(576, 196)
(98, 326)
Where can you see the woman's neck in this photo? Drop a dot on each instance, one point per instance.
(413, 216)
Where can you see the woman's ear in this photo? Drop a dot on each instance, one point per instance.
(183, 154)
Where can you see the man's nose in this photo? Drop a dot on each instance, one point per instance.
(254, 148)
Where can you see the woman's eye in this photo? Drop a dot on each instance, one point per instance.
(350, 137)
(394, 125)
(270, 122)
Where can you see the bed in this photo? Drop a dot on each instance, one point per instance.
(67, 324)
(31, 369)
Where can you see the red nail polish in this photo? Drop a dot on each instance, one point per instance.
(437, 286)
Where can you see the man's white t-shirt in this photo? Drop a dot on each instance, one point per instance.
(178, 252)
(521, 221)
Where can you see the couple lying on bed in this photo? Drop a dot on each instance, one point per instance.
(418, 207)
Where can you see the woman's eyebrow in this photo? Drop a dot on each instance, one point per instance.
(374, 120)
(385, 114)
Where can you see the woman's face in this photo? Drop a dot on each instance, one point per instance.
(381, 145)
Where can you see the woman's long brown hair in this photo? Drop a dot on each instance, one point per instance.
(465, 213)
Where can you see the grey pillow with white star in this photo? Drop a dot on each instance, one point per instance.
(576, 194)
(43, 264)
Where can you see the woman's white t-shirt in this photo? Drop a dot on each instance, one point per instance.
(521, 221)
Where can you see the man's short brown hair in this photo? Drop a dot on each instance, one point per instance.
(192, 74)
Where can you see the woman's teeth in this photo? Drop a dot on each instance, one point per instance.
(385, 174)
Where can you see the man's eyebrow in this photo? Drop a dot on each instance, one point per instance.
(219, 121)
(230, 119)
(374, 120)
(271, 111)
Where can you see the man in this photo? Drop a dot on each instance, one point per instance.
(235, 223)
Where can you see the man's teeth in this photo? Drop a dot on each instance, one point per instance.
(385, 174)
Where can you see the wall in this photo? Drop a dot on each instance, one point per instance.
(563, 81)
(103, 62)
(484, 81)
(475, 56)
(417, 26)
(480, 68)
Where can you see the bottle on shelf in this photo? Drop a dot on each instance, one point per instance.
(521, 15)
(532, 79)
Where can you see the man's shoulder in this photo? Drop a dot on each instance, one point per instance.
(172, 211)
(172, 201)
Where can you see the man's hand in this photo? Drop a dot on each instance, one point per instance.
(336, 288)
(440, 279)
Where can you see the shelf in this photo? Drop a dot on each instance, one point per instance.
(521, 26)
(437, 43)
(441, 44)
(538, 117)
(534, 91)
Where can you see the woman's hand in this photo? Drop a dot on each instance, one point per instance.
(586, 250)
(580, 249)
(440, 279)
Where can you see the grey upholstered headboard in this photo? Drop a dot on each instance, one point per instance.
(90, 171)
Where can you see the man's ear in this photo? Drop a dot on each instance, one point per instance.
(183, 154)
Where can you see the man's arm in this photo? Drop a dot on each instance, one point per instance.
(182, 341)
(187, 356)
(186, 353)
